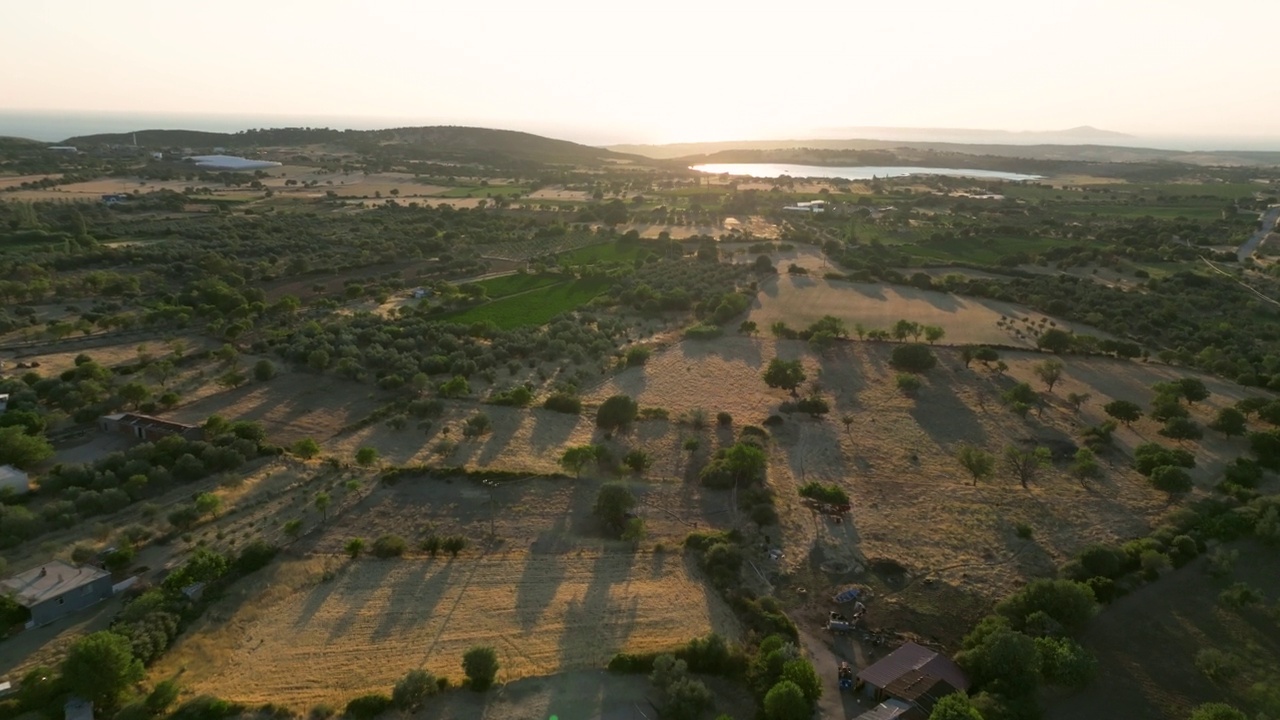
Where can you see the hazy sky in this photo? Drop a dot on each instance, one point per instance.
(661, 71)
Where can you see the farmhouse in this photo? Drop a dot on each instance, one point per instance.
(56, 589)
(14, 479)
(812, 206)
(146, 427)
(912, 674)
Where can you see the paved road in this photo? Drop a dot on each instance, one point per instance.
(1268, 224)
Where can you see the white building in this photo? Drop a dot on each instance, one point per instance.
(157, 156)
(15, 479)
(812, 206)
(4, 397)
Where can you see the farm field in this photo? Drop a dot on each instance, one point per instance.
(331, 640)
(799, 300)
(501, 287)
(535, 307)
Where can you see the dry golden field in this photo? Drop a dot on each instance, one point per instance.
(297, 639)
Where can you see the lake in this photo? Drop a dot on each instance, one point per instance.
(861, 172)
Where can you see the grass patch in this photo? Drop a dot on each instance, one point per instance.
(987, 251)
(536, 307)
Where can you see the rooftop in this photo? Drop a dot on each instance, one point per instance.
(9, 471)
(913, 657)
(49, 581)
(150, 422)
(917, 687)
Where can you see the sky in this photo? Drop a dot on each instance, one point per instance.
(659, 71)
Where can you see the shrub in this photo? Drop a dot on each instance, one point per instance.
(413, 688)
(563, 402)
(477, 425)
(634, 663)
(1171, 479)
(367, 707)
(913, 357)
(354, 547)
(616, 412)
(454, 544)
(638, 460)
(826, 493)
(637, 356)
(703, 331)
(480, 664)
(724, 418)
(908, 383)
(388, 546)
(814, 406)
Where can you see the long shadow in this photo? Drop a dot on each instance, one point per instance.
(609, 623)
(550, 429)
(357, 599)
(544, 571)
(315, 600)
(815, 453)
(498, 440)
(875, 292)
(943, 416)
(941, 301)
(421, 590)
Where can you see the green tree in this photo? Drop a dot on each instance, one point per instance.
(1071, 604)
(208, 504)
(323, 500)
(638, 460)
(293, 528)
(1078, 399)
(635, 531)
(1049, 371)
(366, 456)
(913, 357)
(1026, 464)
(998, 655)
(134, 393)
(1124, 411)
(1171, 479)
(414, 688)
(955, 706)
(480, 664)
(21, 450)
(1085, 464)
(933, 333)
(354, 547)
(575, 458)
(306, 448)
(1063, 662)
(100, 667)
(1230, 422)
(162, 697)
(617, 412)
(978, 462)
(613, 503)
(1181, 429)
(801, 672)
(263, 370)
(786, 701)
(1055, 340)
(785, 374)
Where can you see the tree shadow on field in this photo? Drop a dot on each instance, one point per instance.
(600, 623)
(551, 429)
(841, 373)
(373, 573)
(873, 291)
(944, 417)
(414, 597)
(544, 571)
(814, 453)
(769, 286)
(498, 440)
(941, 301)
(732, 348)
(316, 599)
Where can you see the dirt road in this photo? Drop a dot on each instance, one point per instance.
(826, 652)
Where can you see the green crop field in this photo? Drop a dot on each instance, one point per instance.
(534, 308)
(501, 287)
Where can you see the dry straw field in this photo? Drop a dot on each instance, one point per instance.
(306, 640)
